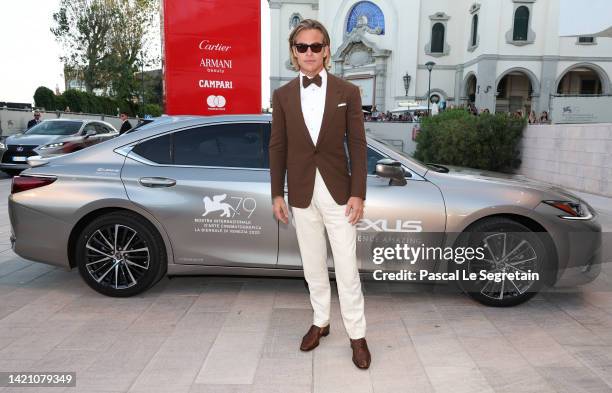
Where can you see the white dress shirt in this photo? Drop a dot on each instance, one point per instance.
(313, 104)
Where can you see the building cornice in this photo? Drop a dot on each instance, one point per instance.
(276, 4)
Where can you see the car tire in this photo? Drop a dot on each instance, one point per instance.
(508, 246)
(104, 264)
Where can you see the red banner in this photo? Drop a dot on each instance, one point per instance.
(212, 57)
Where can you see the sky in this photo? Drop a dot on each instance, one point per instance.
(584, 16)
(30, 54)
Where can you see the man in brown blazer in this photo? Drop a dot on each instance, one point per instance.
(313, 116)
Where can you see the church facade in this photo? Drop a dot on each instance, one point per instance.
(504, 55)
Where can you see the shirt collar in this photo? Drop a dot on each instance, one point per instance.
(322, 73)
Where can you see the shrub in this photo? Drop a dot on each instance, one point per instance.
(80, 101)
(455, 137)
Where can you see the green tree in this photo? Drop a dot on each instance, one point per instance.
(44, 98)
(108, 41)
(82, 28)
(129, 43)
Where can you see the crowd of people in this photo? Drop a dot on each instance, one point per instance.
(533, 118)
(409, 117)
(415, 116)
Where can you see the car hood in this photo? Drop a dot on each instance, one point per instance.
(34, 139)
(513, 180)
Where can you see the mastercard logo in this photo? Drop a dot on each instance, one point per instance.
(215, 101)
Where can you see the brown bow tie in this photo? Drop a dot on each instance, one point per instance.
(306, 81)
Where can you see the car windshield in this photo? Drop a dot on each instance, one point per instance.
(61, 127)
(435, 167)
(398, 151)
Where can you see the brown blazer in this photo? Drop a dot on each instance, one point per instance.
(292, 150)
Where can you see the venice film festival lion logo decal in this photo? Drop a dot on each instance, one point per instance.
(218, 203)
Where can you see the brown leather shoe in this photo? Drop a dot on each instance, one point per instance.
(361, 353)
(311, 338)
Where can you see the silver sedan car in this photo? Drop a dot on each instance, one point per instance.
(191, 195)
(50, 138)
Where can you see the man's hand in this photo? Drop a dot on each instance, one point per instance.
(280, 209)
(354, 207)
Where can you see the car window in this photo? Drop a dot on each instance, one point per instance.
(373, 158)
(101, 129)
(238, 145)
(89, 127)
(267, 129)
(156, 150)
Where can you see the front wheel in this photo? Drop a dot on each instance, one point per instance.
(120, 254)
(508, 247)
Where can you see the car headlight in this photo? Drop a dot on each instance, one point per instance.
(2, 145)
(573, 210)
(53, 145)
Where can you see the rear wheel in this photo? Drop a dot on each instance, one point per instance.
(508, 247)
(120, 254)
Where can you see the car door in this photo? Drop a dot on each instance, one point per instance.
(209, 188)
(413, 214)
(411, 217)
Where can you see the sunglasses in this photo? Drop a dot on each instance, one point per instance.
(316, 48)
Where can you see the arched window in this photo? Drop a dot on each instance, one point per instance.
(521, 23)
(295, 20)
(474, 30)
(437, 38)
(372, 13)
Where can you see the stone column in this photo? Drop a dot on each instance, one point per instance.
(381, 83)
(485, 84)
(458, 87)
(547, 83)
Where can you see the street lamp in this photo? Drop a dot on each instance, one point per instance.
(407, 79)
(430, 65)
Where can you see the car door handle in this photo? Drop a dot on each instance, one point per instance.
(157, 182)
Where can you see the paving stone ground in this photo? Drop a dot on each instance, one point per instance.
(236, 334)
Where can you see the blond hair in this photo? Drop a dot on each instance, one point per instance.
(309, 24)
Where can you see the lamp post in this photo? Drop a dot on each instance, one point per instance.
(407, 79)
(430, 65)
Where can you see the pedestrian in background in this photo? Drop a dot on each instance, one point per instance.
(125, 125)
(533, 119)
(35, 120)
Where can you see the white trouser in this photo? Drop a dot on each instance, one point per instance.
(310, 223)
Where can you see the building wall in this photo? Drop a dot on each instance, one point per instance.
(573, 156)
(543, 59)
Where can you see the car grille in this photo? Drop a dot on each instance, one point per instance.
(12, 151)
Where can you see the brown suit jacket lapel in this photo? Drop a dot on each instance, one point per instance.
(332, 99)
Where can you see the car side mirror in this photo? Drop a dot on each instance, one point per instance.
(392, 170)
(90, 133)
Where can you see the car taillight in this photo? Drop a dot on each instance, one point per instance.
(24, 183)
